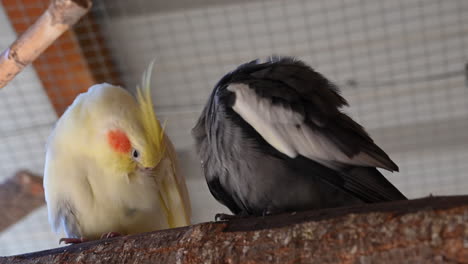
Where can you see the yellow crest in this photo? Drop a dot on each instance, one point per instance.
(154, 131)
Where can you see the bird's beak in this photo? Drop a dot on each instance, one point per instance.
(146, 168)
(148, 171)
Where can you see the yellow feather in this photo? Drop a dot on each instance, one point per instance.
(154, 131)
(173, 192)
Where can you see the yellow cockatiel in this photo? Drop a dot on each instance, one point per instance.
(110, 168)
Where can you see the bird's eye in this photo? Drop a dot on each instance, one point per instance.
(135, 154)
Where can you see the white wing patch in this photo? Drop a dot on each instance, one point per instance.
(284, 129)
(260, 115)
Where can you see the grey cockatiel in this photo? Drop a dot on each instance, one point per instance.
(272, 139)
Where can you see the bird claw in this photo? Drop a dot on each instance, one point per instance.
(227, 217)
(68, 240)
(110, 235)
(223, 217)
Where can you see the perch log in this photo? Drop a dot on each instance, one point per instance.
(59, 17)
(19, 195)
(429, 230)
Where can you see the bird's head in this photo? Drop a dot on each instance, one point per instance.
(134, 141)
(130, 150)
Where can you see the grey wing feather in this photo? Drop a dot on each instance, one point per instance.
(370, 185)
(270, 98)
(204, 133)
(275, 90)
(65, 217)
(336, 139)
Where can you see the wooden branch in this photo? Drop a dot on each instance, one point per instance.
(76, 60)
(19, 196)
(59, 17)
(429, 230)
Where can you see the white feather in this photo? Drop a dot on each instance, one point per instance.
(284, 129)
(259, 114)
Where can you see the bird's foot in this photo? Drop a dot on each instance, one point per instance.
(224, 217)
(228, 217)
(69, 240)
(110, 235)
(272, 212)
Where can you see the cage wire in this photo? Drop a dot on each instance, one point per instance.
(400, 64)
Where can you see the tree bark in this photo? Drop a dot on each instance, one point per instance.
(59, 17)
(19, 196)
(429, 230)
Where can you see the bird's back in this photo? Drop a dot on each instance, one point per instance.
(272, 135)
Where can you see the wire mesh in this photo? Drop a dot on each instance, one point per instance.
(401, 65)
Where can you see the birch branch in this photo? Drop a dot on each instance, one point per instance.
(59, 17)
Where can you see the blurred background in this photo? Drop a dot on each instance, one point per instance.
(401, 64)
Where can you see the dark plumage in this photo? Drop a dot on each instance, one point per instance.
(272, 139)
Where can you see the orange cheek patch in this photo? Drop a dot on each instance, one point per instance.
(119, 141)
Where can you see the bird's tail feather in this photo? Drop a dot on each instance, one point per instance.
(370, 185)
